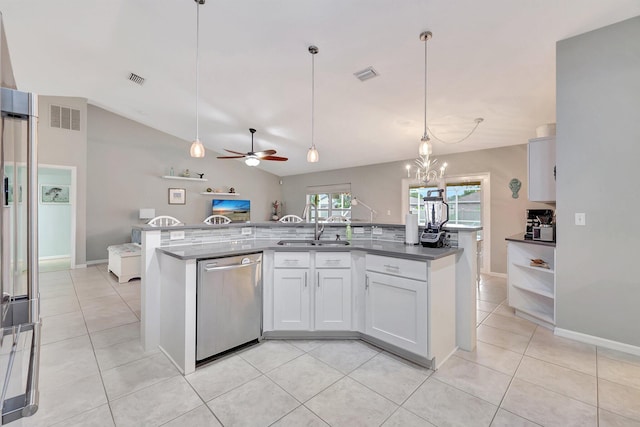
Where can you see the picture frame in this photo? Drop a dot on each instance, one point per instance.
(177, 196)
(52, 194)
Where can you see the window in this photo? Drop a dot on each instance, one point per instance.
(416, 202)
(464, 199)
(331, 200)
(465, 203)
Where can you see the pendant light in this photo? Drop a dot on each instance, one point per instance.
(312, 154)
(197, 149)
(425, 148)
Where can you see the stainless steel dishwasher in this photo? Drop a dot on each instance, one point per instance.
(229, 303)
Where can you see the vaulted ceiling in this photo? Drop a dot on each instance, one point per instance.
(493, 59)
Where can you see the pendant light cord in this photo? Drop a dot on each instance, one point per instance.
(313, 95)
(197, 69)
(426, 40)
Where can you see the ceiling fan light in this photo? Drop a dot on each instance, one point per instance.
(252, 161)
(197, 149)
(312, 155)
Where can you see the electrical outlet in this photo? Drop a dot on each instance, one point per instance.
(389, 212)
(377, 230)
(176, 235)
(358, 230)
(581, 219)
(246, 231)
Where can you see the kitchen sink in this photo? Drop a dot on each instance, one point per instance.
(313, 243)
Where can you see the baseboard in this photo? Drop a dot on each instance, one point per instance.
(494, 274)
(98, 261)
(601, 342)
(49, 258)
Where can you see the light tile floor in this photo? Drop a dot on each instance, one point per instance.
(95, 372)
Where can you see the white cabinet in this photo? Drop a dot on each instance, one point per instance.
(333, 291)
(291, 296)
(396, 312)
(541, 154)
(532, 289)
(304, 291)
(412, 305)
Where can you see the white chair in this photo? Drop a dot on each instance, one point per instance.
(291, 218)
(338, 218)
(217, 219)
(164, 221)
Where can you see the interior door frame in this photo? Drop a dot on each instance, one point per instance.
(73, 202)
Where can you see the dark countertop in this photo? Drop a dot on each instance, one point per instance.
(145, 227)
(520, 239)
(216, 250)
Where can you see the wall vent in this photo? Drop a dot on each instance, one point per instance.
(366, 74)
(136, 79)
(64, 118)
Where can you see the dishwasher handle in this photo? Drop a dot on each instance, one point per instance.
(212, 267)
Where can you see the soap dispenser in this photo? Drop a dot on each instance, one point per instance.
(348, 232)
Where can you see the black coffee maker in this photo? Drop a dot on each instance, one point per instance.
(534, 216)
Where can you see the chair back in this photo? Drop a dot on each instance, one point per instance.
(291, 218)
(217, 219)
(164, 221)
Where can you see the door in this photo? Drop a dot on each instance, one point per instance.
(396, 311)
(333, 299)
(290, 299)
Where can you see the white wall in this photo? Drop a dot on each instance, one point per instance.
(67, 148)
(379, 186)
(126, 161)
(598, 150)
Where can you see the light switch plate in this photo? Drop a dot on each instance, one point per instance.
(581, 219)
(176, 235)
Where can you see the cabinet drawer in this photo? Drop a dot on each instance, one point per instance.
(399, 267)
(333, 260)
(291, 259)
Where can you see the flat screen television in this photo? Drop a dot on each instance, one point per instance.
(235, 210)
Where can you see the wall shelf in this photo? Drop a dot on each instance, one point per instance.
(184, 178)
(209, 193)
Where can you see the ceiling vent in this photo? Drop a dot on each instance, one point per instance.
(366, 74)
(64, 118)
(136, 79)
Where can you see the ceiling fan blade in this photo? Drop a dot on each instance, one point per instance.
(276, 158)
(265, 153)
(235, 152)
(230, 157)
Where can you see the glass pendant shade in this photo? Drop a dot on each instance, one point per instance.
(425, 148)
(197, 149)
(312, 155)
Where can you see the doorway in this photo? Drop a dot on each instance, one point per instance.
(56, 217)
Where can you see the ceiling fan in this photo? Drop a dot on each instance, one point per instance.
(252, 158)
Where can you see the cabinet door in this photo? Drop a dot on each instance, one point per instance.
(333, 299)
(396, 311)
(542, 163)
(290, 299)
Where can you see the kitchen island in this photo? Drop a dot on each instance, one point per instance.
(434, 289)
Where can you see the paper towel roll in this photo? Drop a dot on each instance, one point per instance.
(411, 229)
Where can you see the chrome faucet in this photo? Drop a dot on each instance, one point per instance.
(317, 233)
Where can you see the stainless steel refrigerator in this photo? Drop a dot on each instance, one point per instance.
(20, 304)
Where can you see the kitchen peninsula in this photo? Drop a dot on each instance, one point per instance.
(431, 290)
